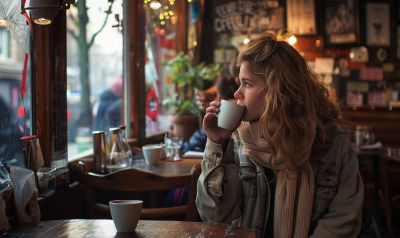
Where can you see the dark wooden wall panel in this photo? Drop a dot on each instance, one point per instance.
(384, 123)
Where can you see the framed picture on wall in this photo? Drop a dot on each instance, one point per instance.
(398, 10)
(378, 24)
(301, 17)
(341, 22)
(398, 41)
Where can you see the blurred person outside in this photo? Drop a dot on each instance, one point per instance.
(10, 136)
(224, 88)
(107, 110)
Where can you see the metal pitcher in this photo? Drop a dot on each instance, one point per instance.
(100, 151)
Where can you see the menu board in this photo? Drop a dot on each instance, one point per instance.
(234, 21)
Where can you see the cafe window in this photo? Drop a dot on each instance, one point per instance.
(94, 71)
(163, 36)
(15, 110)
(4, 43)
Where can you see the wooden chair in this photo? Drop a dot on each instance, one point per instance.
(383, 199)
(389, 173)
(193, 214)
(135, 181)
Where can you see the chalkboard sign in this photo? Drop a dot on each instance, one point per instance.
(235, 21)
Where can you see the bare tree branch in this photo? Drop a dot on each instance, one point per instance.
(108, 12)
(72, 33)
(73, 19)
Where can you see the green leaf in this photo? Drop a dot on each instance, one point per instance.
(188, 75)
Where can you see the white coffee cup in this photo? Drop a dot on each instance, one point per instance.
(230, 115)
(152, 153)
(126, 214)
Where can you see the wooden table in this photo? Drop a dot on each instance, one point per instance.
(145, 228)
(168, 168)
(163, 167)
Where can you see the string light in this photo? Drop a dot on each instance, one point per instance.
(155, 5)
(162, 32)
(173, 20)
(165, 13)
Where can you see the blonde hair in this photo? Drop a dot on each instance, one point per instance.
(295, 101)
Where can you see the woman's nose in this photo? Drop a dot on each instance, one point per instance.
(238, 95)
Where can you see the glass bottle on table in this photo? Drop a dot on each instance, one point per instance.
(118, 158)
(125, 144)
(172, 147)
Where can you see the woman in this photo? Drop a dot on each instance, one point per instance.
(288, 170)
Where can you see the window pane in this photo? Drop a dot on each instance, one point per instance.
(15, 120)
(94, 73)
(160, 45)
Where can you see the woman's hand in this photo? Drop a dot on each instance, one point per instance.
(213, 132)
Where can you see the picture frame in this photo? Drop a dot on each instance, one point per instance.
(341, 22)
(398, 11)
(301, 17)
(398, 41)
(378, 24)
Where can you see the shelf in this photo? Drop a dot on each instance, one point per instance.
(395, 106)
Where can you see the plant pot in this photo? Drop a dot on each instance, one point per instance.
(185, 125)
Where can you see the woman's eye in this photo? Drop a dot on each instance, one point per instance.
(245, 83)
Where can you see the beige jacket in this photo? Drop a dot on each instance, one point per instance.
(233, 189)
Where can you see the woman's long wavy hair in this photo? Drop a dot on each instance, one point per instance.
(295, 101)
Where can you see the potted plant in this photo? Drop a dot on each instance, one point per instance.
(188, 75)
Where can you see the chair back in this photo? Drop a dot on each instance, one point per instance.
(132, 180)
(192, 213)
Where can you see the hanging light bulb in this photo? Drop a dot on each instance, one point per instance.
(43, 12)
(155, 5)
(292, 40)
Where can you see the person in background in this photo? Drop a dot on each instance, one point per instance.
(225, 88)
(105, 110)
(288, 170)
(10, 136)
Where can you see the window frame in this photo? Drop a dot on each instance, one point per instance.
(49, 79)
(5, 41)
(135, 65)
